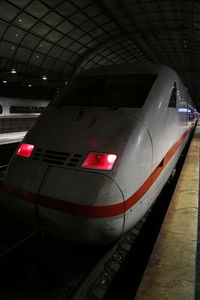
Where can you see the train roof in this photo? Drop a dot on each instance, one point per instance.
(126, 68)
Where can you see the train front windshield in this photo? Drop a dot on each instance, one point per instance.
(108, 91)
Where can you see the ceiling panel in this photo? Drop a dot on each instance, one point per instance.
(60, 38)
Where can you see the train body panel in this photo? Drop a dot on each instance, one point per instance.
(102, 152)
(172, 123)
(153, 185)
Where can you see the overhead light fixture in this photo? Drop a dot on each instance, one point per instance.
(29, 85)
(5, 81)
(44, 77)
(66, 82)
(13, 71)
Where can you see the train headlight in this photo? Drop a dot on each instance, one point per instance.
(99, 161)
(25, 150)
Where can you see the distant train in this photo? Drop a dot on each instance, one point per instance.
(101, 152)
(17, 116)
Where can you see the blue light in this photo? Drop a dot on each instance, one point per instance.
(182, 109)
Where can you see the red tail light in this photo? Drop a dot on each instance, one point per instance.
(25, 150)
(99, 161)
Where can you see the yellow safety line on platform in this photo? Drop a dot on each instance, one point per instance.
(170, 273)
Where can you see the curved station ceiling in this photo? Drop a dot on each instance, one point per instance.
(44, 43)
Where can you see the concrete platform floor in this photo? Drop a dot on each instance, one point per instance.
(173, 271)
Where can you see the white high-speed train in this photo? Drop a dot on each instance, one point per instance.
(17, 116)
(101, 152)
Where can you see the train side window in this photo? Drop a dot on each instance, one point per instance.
(172, 100)
(1, 109)
(18, 109)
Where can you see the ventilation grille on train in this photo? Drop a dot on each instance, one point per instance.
(57, 158)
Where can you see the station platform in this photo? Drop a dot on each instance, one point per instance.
(11, 137)
(173, 270)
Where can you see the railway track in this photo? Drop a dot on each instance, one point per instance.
(12, 233)
(96, 284)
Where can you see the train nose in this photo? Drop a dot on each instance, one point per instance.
(82, 206)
